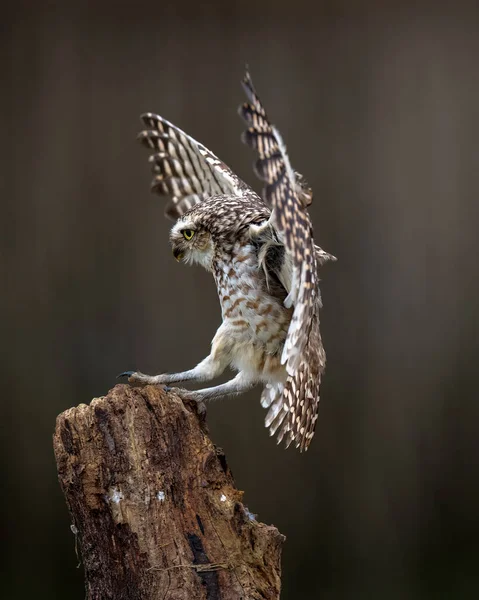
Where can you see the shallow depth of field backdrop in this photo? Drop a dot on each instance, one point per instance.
(379, 109)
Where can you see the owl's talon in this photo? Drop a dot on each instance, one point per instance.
(201, 408)
(125, 374)
(193, 398)
(136, 378)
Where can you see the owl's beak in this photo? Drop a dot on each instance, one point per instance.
(178, 254)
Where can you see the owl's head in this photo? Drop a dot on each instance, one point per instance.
(191, 242)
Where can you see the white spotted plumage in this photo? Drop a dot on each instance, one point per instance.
(263, 259)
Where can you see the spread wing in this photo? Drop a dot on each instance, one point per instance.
(293, 407)
(183, 168)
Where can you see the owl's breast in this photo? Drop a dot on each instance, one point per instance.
(256, 321)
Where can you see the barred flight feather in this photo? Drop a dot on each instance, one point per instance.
(288, 196)
(183, 168)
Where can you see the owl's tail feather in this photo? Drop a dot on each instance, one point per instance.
(276, 418)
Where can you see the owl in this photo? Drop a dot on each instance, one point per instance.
(261, 253)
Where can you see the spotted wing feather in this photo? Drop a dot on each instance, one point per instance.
(183, 168)
(293, 407)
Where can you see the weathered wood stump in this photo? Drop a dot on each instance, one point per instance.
(154, 504)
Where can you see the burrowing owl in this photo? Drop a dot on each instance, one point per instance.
(263, 259)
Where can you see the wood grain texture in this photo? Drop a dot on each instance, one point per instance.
(154, 504)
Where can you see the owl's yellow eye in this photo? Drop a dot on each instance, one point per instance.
(188, 234)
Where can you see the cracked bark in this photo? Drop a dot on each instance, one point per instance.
(154, 506)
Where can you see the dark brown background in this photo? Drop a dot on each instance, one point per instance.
(379, 108)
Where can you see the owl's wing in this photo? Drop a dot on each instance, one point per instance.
(293, 408)
(183, 168)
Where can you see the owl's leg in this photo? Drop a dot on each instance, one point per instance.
(209, 368)
(239, 384)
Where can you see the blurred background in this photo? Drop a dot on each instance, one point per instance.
(379, 108)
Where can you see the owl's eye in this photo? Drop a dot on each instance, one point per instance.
(188, 234)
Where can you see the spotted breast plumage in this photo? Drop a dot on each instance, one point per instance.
(261, 253)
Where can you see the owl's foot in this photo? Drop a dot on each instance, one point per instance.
(139, 379)
(192, 397)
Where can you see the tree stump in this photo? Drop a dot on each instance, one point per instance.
(154, 506)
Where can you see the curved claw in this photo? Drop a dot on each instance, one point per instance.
(195, 398)
(125, 374)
